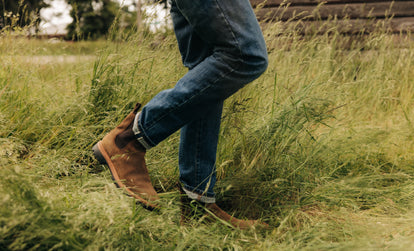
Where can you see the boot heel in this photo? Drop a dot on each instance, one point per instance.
(98, 155)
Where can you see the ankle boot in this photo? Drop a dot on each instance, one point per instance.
(196, 210)
(125, 157)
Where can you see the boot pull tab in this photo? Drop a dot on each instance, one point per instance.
(137, 106)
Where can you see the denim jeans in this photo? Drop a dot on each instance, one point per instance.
(222, 45)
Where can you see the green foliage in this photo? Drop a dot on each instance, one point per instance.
(20, 13)
(91, 19)
(28, 222)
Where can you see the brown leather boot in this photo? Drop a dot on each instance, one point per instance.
(196, 210)
(125, 157)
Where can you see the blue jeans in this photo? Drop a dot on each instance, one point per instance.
(222, 45)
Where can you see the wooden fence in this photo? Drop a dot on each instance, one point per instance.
(349, 16)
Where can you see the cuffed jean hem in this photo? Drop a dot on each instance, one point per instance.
(140, 134)
(202, 198)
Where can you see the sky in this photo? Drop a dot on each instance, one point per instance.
(56, 17)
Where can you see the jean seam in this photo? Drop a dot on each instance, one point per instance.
(197, 160)
(230, 29)
(204, 180)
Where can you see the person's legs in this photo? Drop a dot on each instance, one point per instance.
(222, 44)
(239, 56)
(198, 147)
(223, 47)
(198, 142)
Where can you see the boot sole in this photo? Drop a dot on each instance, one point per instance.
(102, 156)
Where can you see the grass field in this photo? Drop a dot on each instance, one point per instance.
(320, 147)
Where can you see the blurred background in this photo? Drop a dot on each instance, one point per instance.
(94, 19)
(86, 19)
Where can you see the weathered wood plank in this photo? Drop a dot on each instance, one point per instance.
(362, 10)
(402, 24)
(275, 3)
(350, 26)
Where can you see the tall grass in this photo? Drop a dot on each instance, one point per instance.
(320, 146)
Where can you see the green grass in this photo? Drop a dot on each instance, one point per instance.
(320, 147)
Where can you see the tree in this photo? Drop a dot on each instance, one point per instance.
(20, 13)
(91, 18)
